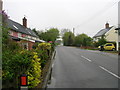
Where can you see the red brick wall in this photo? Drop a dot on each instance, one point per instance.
(30, 45)
(23, 35)
(15, 34)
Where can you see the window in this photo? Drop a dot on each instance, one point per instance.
(15, 27)
(25, 45)
(23, 35)
(109, 45)
(34, 38)
(19, 34)
(29, 37)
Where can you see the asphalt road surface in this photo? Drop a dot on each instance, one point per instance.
(77, 68)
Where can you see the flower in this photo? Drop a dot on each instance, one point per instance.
(35, 53)
(35, 56)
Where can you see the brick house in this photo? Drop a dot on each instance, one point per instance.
(21, 34)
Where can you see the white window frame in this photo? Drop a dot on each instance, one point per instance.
(23, 44)
(19, 35)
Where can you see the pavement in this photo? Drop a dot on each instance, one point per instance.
(78, 68)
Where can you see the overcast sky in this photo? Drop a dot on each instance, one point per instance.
(86, 16)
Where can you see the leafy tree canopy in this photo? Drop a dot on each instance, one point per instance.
(83, 40)
(100, 42)
(68, 38)
(50, 35)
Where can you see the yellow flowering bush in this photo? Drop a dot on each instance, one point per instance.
(25, 62)
(34, 72)
(44, 46)
(44, 51)
(32, 66)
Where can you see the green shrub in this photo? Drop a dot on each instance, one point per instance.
(24, 62)
(44, 52)
(16, 62)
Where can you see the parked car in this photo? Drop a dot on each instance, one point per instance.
(107, 46)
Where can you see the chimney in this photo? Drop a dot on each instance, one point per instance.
(25, 22)
(107, 25)
(1, 4)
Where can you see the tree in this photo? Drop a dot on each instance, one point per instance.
(68, 38)
(35, 31)
(100, 42)
(83, 40)
(50, 35)
(63, 31)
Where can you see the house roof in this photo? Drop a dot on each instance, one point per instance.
(20, 28)
(102, 32)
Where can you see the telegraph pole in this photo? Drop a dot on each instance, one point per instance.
(1, 4)
(73, 30)
(119, 27)
(118, 42)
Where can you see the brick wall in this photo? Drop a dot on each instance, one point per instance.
(30, 45)
(15, 34)
(23, 42)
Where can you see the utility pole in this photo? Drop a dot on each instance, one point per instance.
(119, 27)
(73, 30)
(118, 42)
(1, 4)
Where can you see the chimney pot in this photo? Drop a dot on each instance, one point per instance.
(107, 25)
(25, 22)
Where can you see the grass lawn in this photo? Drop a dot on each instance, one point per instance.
(113, 52)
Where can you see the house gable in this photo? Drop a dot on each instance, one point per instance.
(112, 35)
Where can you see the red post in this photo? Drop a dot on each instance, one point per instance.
(23, 80)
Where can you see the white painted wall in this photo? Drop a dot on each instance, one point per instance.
(112, 36)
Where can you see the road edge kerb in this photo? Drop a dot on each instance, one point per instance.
(45, 82)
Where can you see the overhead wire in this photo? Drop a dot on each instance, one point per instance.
(97, 14)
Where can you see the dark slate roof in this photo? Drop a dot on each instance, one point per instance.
(102, 32)
(20, 28)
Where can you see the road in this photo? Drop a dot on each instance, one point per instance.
(77, 68)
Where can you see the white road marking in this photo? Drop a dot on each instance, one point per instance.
(109, 72)
(86, 58)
